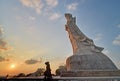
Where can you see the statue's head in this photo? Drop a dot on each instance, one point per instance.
(46, 63)
(68, 16)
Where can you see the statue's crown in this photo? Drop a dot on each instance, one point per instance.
(68, 15)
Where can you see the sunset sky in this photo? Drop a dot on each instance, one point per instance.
(33, 31)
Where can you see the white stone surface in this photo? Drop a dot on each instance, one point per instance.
(86, 55)
(94, 62)
(81, 44)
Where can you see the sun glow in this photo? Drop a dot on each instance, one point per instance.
(12, 66)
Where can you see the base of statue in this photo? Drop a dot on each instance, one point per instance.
(91, 74)
(89, 62)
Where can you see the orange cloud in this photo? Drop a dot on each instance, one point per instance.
(2, 59)
(3, 43)
(32, 61)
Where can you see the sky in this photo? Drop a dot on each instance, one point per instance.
(33, 31)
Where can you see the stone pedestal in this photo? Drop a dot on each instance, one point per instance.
(89, 62)
(115, 73)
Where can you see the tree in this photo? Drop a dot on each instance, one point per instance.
(61, 70)
(38, 72)
(21, 75)
(58, 72)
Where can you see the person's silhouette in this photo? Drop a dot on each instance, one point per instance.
(47, 73)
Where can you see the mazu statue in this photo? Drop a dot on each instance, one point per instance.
(86, 55)
(79, 41)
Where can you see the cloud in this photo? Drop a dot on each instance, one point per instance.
(72, 6)
(1, 31)
(3, 43)
(32, 61)
(98, 37)
(118, 26)
(117, 40)
(18, 17)
(35, 4)
(41, 7)
(2, 59)
(52, 3)
(54, 16)
(31, 18)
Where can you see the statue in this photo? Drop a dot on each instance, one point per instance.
(78, 39)
(47, 73)
(86, 55)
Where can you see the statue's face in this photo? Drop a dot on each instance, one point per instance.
(68, 17)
